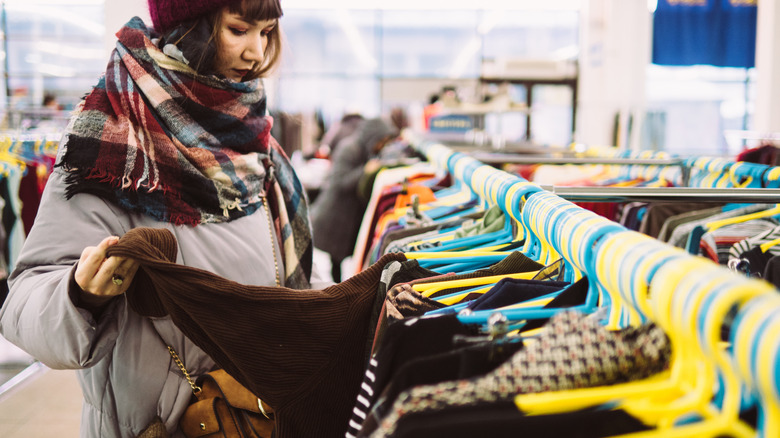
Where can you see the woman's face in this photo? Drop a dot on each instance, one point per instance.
(240, 44)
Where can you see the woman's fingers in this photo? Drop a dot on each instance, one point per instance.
(91, 261)
(116, 273)
(104, 276)
(108, 272)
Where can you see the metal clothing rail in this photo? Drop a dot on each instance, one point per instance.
(495, 159)
(510, 148)
(491, 158)
(665, 194)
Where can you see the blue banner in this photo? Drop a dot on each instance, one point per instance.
(712, 32)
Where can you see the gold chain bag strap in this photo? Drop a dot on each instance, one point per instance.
(222, 407)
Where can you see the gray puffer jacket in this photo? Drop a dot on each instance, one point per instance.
(125, 370)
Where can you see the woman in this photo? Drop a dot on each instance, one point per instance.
(338, 210)
(173, 136)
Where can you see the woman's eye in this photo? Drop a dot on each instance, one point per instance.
(236, 31)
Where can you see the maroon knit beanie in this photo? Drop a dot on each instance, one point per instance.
(166, 14)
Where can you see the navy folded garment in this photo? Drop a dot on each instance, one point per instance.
(510, 291)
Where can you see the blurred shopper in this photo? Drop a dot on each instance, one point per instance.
(50, 102)
(174, 136)
(431, 110)
(399, 118)
(338, 210)
(338, 132)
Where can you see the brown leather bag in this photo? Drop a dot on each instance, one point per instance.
(224, 408)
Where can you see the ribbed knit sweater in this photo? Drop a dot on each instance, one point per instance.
(300, 351)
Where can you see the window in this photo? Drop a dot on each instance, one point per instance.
(371, 57)
(53, 47)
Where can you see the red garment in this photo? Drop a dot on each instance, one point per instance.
(764, 154)
(30, 195)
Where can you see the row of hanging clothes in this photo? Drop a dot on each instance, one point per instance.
(518, 311)
(26, 161)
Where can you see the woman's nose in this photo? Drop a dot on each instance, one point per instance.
(255, 49)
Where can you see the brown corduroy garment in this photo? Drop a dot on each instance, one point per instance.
(301, 351)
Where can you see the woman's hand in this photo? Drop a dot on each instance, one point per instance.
(102, 278)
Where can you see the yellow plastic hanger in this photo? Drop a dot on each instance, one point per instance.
(670, 290)
(672, 384)
(773, 174)
(547, 253)
(448, 254)
(762, 310)
(757, 312)
(766, 246)
(723, 422)
(428, 289)
(684, 323)
(711, 226)
(716, 177)
(766, 378)
(573, 234)
(625, 257)
(630, 396)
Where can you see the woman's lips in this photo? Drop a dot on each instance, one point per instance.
(241, 73)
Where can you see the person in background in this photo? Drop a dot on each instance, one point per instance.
(432, 109)
(338, 210)
(50, 102)
(338, 132)
(174, 136)
(399, 118)
(49, 116)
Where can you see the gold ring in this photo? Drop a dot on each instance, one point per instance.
(117, 279)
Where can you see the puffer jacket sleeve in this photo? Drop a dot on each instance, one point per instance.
(39, 314)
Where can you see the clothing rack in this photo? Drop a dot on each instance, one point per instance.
(706, 171)
(691, 295)
(35, 148)
(694, 171)
(20, 152)
(728, 173)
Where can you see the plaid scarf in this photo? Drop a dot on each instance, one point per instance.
(156, 138)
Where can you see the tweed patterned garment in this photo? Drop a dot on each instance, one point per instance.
(301, 351)
(573, 351)
(156, 138)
